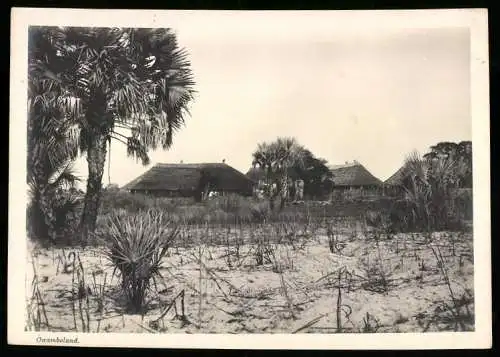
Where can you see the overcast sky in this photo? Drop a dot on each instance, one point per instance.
(370, 96)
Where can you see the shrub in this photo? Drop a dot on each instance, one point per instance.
(430, 202)
(194, 214)
(399, 217)
(239, 208)
(218, 216)
(230, 203)
(376, 219)
(136, 245)
(65, 207)
(113, 199)
(464, 203)
(260, 211)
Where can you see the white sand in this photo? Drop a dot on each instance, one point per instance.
(250, 298)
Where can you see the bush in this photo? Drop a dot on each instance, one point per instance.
(193, 214)
(228, 203)
(136, 245)
(260, 211)
(399, 216)
(464, 203)
(113, 199)
(239, 208)
(432, 200)
(65, 206)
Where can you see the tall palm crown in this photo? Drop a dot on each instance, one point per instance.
(264, 157)
(288, 153)
(429, 183)
(277, 158)
(109, 78)
(117, 77)
(279, 155)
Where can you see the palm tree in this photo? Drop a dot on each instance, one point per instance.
(465, 154)
(430, 189)
(461, 151)
(49, 173)
(289, 154)
(50, 152)
(277, 158)
(137, 80)
(264, 158)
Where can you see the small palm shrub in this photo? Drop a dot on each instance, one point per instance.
(67, 207)
(136, 245)
(64, 206)
(379, 220)
(431, 200)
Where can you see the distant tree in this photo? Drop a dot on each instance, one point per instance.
(264, 158)
(317, 177)
(460, 152)
(289, 154)
(276, 159)
(443, 149)
(285, 158)
(135, 79)
(465, 154)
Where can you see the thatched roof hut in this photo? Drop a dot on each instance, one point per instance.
(396, 178)
(190, 179)
(256, 174)
(353, 175)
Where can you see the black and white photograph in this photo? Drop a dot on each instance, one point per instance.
(246, 176)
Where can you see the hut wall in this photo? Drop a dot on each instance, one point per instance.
(165, 193)
(393, 191)
(340, 193)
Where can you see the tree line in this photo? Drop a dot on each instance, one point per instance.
(90, 87)
(285, 160)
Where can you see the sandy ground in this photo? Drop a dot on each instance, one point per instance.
(297, 290)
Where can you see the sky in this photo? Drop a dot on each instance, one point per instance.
(345, 94)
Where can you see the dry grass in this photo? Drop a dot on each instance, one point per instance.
(339, 276)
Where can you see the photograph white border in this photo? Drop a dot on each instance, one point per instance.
(475, 19)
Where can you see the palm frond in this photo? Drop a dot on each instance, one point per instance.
(64, 177)
(137, 150)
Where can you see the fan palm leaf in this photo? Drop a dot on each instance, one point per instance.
(137, 79)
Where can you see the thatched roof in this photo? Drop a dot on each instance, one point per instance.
(396, 178)
(256, 174)
(353, 174)
(187, 177)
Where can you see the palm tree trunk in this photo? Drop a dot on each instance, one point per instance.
(44, 218)
(96, 158)
(41, 217)
(284, 189)
(48, 213)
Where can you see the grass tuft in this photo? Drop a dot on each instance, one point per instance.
(136, 245)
